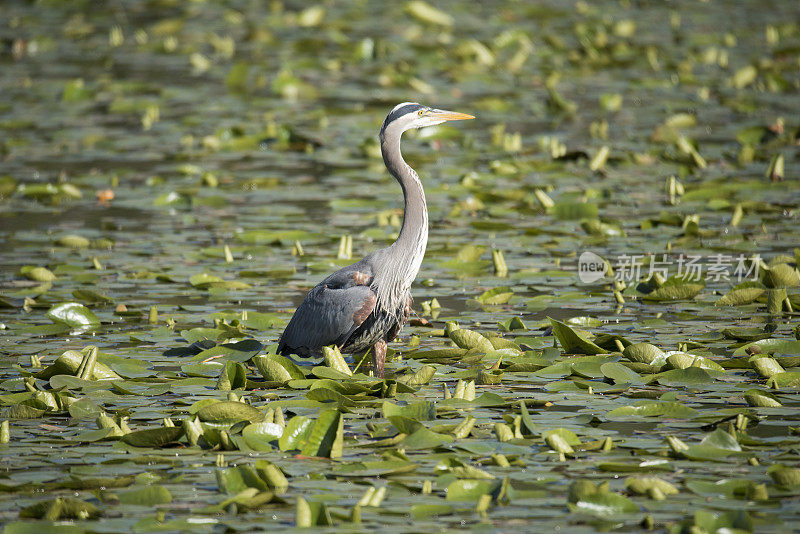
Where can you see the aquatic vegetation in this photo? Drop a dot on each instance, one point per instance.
(606, 335)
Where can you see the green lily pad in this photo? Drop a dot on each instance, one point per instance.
(296, 433)
(673, 410)
(84, 408)
(497, 295)
(605, 505)
(644, 353)
(620, 374)
(153, 437)
(240, 351)
(683, 360)
(784, 380)
(774, 346)
(261, 436)
(788, 477)
(230, 412)
(675, 288)
(73, 314)
(405, 425)
(745, 334)
(69, 363)
(741, 294)
(326, 435)
(327, 395)
(722, 440)
(38, 274)
(689, 377)
(781, 275)
(419, 411)
(60, 508)
(91, 297)
(761, 399)
(424, 438)
(471, 490)
(469, 339)
(277, 368)
(573, 211)
(423, 511)
(725, 488)
(147, 496)
(643, 485)
(238, 479)
(571, 341)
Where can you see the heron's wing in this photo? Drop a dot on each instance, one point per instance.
(354, 275)
(330, 313)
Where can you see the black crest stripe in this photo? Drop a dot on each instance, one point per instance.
(399, 112)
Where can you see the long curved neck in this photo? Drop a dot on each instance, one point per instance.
(409, 248)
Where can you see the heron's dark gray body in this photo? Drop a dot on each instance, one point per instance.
(342, 310)
(366, 304)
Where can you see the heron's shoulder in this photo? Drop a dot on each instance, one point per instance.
(357, 274)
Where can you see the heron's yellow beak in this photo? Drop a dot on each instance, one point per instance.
(444, 115)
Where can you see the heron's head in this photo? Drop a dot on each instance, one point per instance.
(410, 115)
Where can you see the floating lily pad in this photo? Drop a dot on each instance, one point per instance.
(296, 433)
(654, 409)
(73, 314)
(675, 288)
(573, 342)
(153, 437)
(147, 496)
(277, 368)
(605, 505)
(471, 490)
(229, 412)
(61, 508)
(497, 295)
(741, 294)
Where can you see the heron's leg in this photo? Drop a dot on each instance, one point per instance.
(379, 357)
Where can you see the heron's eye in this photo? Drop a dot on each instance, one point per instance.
(421, 112)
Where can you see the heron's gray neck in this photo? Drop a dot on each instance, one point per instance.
(409, 248)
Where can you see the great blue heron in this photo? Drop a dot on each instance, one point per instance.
(364, 305)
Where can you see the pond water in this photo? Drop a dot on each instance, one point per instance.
(172, 164)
